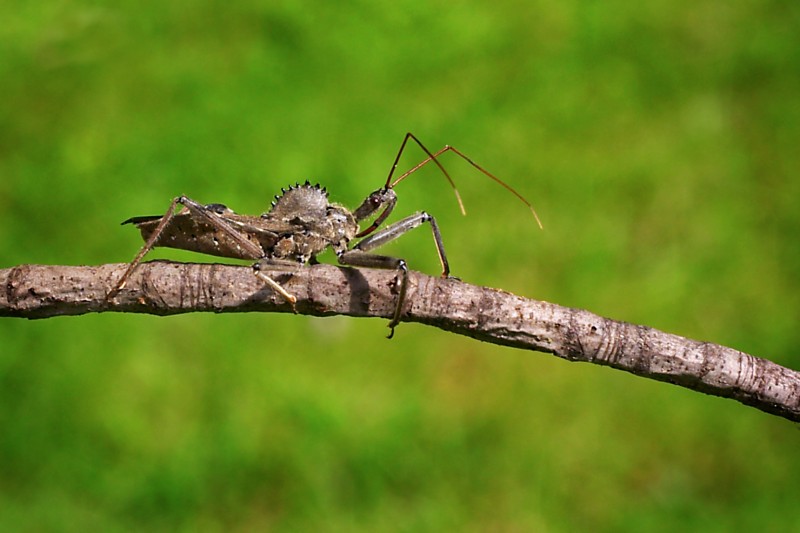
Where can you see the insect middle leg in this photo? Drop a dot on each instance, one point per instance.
(359, 256)
(277, 264)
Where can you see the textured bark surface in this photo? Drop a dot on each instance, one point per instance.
(490, 315)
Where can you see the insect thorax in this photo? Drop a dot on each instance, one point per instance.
(316, 223)
(305, 201)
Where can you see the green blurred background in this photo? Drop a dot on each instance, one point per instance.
(658, 143)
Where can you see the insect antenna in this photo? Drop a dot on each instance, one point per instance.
(433, 157)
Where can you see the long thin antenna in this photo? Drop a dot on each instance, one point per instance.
(433, 157)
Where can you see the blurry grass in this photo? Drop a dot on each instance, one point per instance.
(657, 143)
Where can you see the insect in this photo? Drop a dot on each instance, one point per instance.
(300, 224)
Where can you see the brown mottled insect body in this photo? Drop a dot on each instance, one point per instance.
(288, 231)
(301, 223)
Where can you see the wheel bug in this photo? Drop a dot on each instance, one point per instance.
(300, 224)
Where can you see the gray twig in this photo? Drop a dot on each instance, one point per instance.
(491, 315)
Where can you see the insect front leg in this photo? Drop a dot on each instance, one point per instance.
(393, 231)
(359, 256)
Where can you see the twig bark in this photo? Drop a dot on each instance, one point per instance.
(491, 315)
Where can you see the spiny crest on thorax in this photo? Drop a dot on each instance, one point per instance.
(304, 200)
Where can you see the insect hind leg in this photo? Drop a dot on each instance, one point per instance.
(148, 245)
(209, 214)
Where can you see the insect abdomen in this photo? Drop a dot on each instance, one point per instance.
(185, 233)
